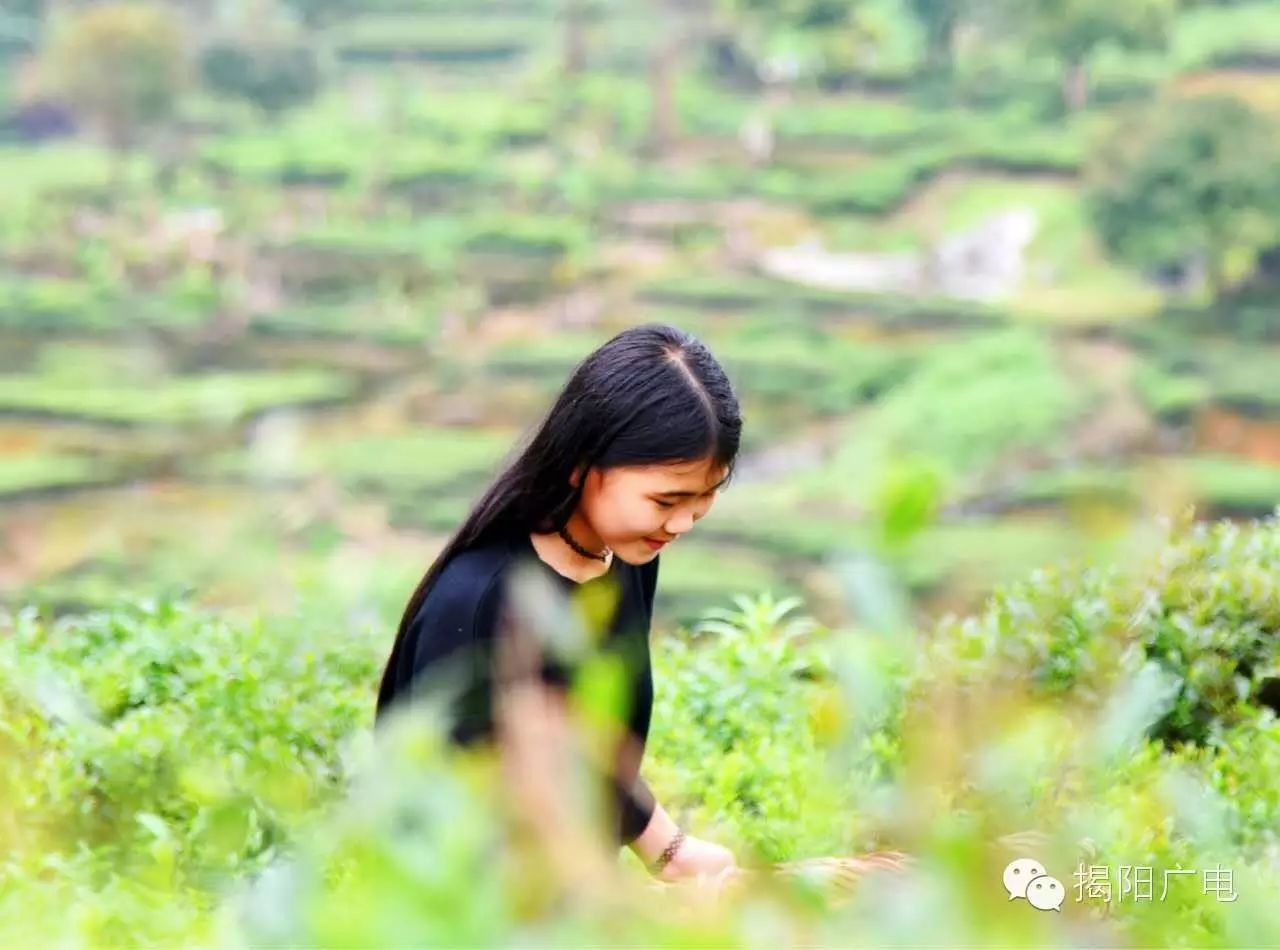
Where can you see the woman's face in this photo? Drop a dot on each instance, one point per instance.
(635, 507)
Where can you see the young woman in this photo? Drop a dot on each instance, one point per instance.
(631, 454)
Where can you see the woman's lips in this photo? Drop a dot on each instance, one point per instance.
(655, 545)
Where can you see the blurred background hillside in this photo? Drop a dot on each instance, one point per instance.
(281, 281)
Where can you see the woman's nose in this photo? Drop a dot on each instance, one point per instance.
(680, 523)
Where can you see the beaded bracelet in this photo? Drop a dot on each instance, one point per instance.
(669, 851)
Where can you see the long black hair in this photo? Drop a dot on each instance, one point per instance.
(651, 394)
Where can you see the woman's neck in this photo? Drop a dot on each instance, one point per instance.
(564, 560)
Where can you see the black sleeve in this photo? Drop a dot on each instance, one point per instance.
(454, 651)
(635, 809)
(649, 574)
(469, 646)
(637, 804)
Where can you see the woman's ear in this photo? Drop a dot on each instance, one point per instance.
(576, 475)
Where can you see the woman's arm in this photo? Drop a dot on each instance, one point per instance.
(694, 856)
(656, 836)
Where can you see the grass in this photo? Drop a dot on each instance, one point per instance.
(1184, 371)
(537, 236)
(330, 159)
(1223, 484)
(970, 557)
(395, 322)
(328, 143)
(1067, 278)
(475, 180)
(51, 305)
(824, 373)
(36, 471)
(968, 404)
(771, 299)
(442, 39)
(1226, 35)
(547, 358)
(1029, 721)
(35, 174)
(861, 120)
(964, 558)
(1261, 91)
(767, 519)
(693, 576)
(425, 459)
(1230, 485)
(218, 398)
(1170, 396)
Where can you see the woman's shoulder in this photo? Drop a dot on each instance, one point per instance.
(469, 577)
(486, 558)
(481, 574)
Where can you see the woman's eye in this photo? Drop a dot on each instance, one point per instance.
(665, 504)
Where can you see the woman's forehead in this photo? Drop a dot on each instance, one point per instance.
(695, 476)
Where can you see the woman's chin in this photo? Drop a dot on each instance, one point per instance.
(637, 552)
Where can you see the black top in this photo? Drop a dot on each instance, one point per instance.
(453, 633)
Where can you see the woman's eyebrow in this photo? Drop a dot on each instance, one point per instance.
(687, 494)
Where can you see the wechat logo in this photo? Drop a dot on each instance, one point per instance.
(1025, 877)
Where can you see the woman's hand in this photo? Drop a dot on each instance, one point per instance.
(697, 857)
(694, 857)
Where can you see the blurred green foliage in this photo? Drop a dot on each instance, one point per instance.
(1195, 182)
(273, 77)
(155, 753)
(415, 193)
(121, 65)
(165, 752)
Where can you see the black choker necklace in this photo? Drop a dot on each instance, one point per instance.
(583, 551)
